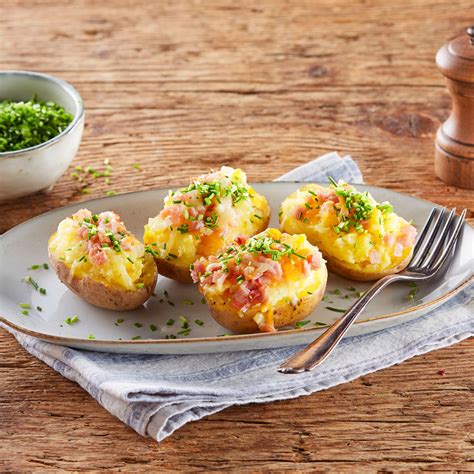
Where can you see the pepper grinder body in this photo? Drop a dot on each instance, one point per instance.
(454, 148)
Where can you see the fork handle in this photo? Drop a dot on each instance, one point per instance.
(316, 352)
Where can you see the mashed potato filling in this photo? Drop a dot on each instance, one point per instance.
(263, 272)
(100, 247)
(349, 226)
(202, 217)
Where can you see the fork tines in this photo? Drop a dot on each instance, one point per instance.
(436, 240)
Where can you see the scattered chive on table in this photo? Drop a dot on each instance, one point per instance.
(172, 89)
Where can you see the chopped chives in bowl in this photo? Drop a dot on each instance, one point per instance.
(30, 123)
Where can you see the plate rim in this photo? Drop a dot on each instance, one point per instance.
(230, 337)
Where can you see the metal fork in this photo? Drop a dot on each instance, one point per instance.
(435, 243)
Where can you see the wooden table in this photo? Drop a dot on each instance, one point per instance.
(181, 86)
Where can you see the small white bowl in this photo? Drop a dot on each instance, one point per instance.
(37, 168)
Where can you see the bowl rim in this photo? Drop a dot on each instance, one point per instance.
(65, 86)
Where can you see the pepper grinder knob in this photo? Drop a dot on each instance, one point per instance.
(470, 32)
(454, 148)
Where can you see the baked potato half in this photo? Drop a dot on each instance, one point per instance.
(263, 283)
(99, 260)
(360, 238)
(202, 219)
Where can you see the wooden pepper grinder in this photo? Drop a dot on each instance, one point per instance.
(454, 152)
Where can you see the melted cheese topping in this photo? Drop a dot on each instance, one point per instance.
(380, 234)
(71, 244)
(191, 225)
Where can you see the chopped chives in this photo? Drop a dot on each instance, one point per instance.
(72, 320)
(300, 324)
(199, 322)
(319, 324)
(338, 310)
(170, 322)
(135, 338)
(25, 312)
(31, 282)
(138, 325)
(25, 305)
(39, 308)
(412, 293)
(153, 328)
(91, 336)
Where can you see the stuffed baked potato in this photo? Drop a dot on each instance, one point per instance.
(98, 259)
(202, 219)
(263, 283)
(360, 238)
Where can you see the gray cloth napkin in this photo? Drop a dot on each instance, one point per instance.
(157, 394)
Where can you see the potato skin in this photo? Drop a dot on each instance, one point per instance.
(175, 271)
(283, 315)
(335, 266)
(108, 296)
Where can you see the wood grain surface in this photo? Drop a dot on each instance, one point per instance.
(178, 87)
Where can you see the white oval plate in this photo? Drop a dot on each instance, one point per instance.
(26, 245)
